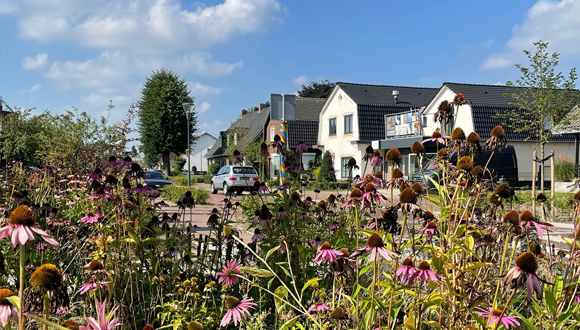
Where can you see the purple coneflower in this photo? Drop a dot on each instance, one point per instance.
(282, 213)
(105, 320)
(377, 159)
(22, 226)
(375, 245)
(425, 273)
(334, 226)
(301, 147)
(316, 242)
(300, 168)
(430, 229)
(238, 157)
(526, 263)
(97, 174)
(408, 200)
(264, 150)
(7, 310)
(91, 218)
(92, 285)
(372, 192)
(327, 253)
(228, 275)
(318, 307)
(258, 235)
(369, 178)
(496, 316)
(436, 137)
(236, 310)
(406, 270)
(528, 219)
(101, 194)
(369, 153)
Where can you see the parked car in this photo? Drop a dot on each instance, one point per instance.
(156, 178)
(234, 178)
(502, 164)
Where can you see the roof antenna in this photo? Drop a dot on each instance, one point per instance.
(396, 96)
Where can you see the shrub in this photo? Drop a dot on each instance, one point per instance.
(207, 178)
(213, 169)
(180, 180)
(325, 167)
(341, 185)
(173, 194)
(564, 169)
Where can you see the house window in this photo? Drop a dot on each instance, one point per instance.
(343, 169)
(348, 124)
(272, 133)
(236, 139)
(332, 126)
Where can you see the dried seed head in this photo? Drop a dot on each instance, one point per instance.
(22, 215)
(494, 200)
(232, 302)
(397, 173)
(71, 324)
(356, 193)
(417, 188)
(393, 155)
(458, 134)
(338, 313)
(408, 262)
(541, 198)
(47, 277)
(473, 138)
(377, 153)
(577, 196)
(5, 293)
(351, 162)
(369, 150)
(503, 190)
(379, 174)
(498, 132)
(370, 187)
(408, 196)
(112, 158)
(263, 146)
(432, 225)
(326, 246)
(428, 215)
(331, 198)
(345, 252)
(444, 106)
(424, 265)
(436, 135)
(322, 204)
(459, 98)
(527, 262)
(512, 217)
(375, 241)
(527, 216)
(535, 248)
(477, 172)
(465, 163)
(135, 167)
(497, 312)
(295, 196)
(442, 154)
(417, 148)
(193, 325)
(96, 265)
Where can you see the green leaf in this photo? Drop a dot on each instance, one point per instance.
(272, 250)
(308, 284)
(288, 324)
(15, 301)
(280, 294)
(526, 321)
(551, 301)
(256, 272)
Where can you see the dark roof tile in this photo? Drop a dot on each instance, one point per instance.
(383, 94)
(308, 108)
(300, 130)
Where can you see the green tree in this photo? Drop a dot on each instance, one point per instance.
(162, 121)
(325, 168)
(134, 152)
(321, 89)
(21, 136)
(545, 100)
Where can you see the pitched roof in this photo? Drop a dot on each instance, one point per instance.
(301, 130)
(486, 94)
(383, 94)
(571, 124)
(217, 149)
(308, 108)
(252, 125)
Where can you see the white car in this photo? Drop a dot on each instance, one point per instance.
(234, 179)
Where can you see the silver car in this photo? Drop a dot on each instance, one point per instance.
(234, 179)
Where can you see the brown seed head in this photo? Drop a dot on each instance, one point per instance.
(432, 225)
(465, 163)
(377, 153)
(436, 135)
(428, 215)
(22, 215)
(331, 198)
(512, 217)
(338, 313)
(408, 262)
(408, 196)
(417, 148)
(458, 134)
(444, 106)
(322, 204)
(424, 265)
(535, 248)
(96, 265)
(326, 246)
(193, 325)
(397, 173)
(232, 302)
(345, 252)
(498, 132)
(71, 324)
(527, 262)
(477, 172)
(417, 188)
(503, 190)
(541, 198)
(356, 193)
(370, 150)
(473, 138)
(442, 154)
(497, 312)
(47, 277)
(295, 196)
(494, 199)
(393, 155)
(527, 216)
(370, 187)
(5, 293)
(351, 162)
(375, 240)
(379, 174)
(577, 196)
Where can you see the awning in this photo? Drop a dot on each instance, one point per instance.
(400, 143)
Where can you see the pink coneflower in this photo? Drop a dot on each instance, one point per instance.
(228, 275)
(430, 229)
(22, 226)
(7, 310)
(140, 189)
(105, 320)
(282, 213)
(496, 316)
(263, 188)
(93, 285)
(406, 270)
(424, 273)
(238, 157)
(303, 217)
(369, 153)
(526, 263)
(408, 201)
(101, 194)
(318, 307)
(264, 150)
(327, 253)
(258, 235)
(334, 226)
(236, 310)
(528, 219)
(436, 137)
(113, 162)
(316, 242)
(369, 178)
(301, 148)
(375, 245)
(97, 174)
(300, 168)
(377, 159)
(91, 218)
(371, 193)
(41, 246)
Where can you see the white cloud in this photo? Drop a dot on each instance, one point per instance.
(33, 63)
(299, 81)
(557, 22)
(35, 88)
(213, 126)
(201, 89)
(102, 101)
(203, 107)
(201, 64)
(8, 7)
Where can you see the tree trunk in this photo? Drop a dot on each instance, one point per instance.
(541, 168)
(165, 158)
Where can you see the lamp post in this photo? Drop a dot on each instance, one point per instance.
(188, 108)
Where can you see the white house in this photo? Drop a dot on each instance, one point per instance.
(199, 147)
(354, 116)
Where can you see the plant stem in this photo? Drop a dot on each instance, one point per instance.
(45, 309)
(21, 320)
(503, 310)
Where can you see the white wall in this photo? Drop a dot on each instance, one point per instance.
(341, 145)
(463, 116)
(198, 151)
(525, 152)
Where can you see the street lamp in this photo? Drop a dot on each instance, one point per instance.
(188, 108)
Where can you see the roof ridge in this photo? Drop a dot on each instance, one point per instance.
(376, 85)
(311, 98)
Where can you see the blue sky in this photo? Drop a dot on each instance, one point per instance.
(56, 54)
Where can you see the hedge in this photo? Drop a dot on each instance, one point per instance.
(173, 194)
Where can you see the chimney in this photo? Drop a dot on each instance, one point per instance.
(243, 112)
(261, 106)
(396, 96)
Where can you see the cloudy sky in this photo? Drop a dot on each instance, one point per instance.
(56, 54)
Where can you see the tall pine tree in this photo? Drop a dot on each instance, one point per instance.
(162, 120)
